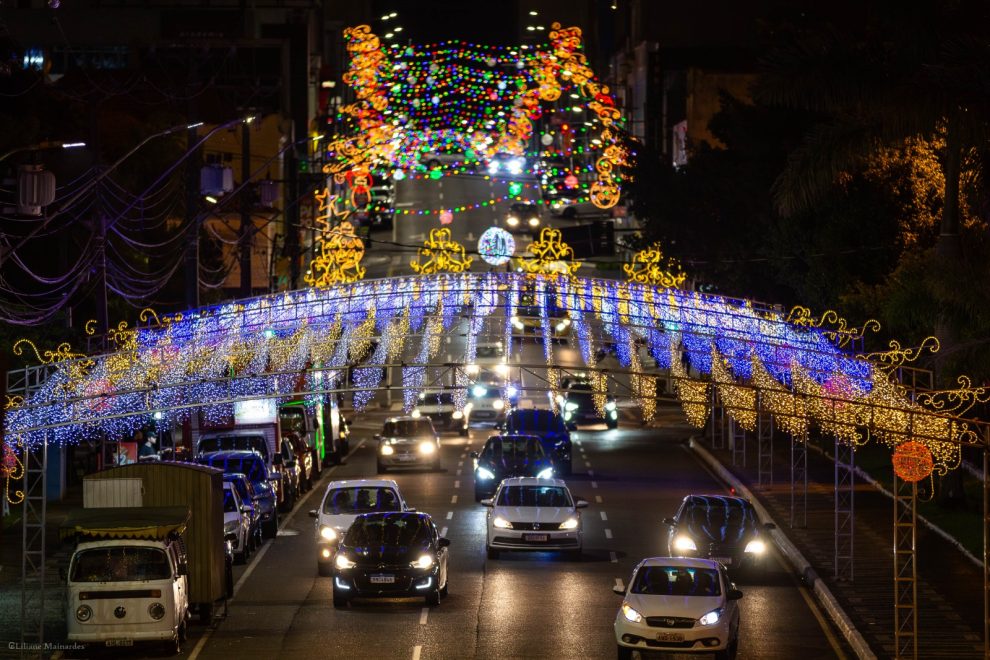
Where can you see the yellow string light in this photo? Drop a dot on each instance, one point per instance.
(739, 401)
(551, 255)
(441, 254)
(649, 267)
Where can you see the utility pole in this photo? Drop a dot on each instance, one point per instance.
(246, 238)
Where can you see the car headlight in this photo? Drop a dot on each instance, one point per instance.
(631, 614)
(534, 222)
(711, 618)
(545, 473)
(570, 523)
(502, 369)
(427, 448)
(457, 414)
(567, 415)
(484, 473)
(570, 405)
(493, 167)
(328, 534)
(343, 562)
(560, 399)
(613, 414)
(425, 561)
(479, 390)
(517, 324)
(512, 221)
(156, 611)
(84, 613)
(387, 450)
(560, 327)
(416, 413)
(756, 547)
(610, 405)
(501, 523)
(684, 543)
(498, 404)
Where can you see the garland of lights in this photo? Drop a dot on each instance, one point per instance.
(648, 267)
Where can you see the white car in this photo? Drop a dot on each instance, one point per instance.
(490, 401)
(529, 513)
(441, 407)
(678, 605)
(236, 522)
(563, 207)
(342, 503)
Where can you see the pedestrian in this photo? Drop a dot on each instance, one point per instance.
(148, 448)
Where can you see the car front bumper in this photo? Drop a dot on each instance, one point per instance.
(412, 459)
(407, 582)
(513, 539)
(699, 639)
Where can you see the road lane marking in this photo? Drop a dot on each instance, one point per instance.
(612, 557)
(458, 473)
(453, 499)
(450, 514)
(587, 464)
(604, 515)
(460, 463)
(416, 651)
(619, 585)
(598, 498)
(257, 560)
(594, 484)
(443, 532)
(457, 484)
(423, 616)
(608, 533)
(591, 473)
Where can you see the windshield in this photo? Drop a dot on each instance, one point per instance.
(488, 352)
(292, 419)
(228, 501)
(234, 443)
(676, 581)
(434, 398)
(389, 530)
(120, 564)
(507, 446)
(408, 428)
(534, 496)
(534, 421)
(360, 500)
(719, 515)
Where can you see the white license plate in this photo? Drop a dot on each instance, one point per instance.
(536, 537)
(726, 561)
(670, 637)
(382, 579)
(406, 457)
(119, 642)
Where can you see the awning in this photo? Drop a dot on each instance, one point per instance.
(150, 523)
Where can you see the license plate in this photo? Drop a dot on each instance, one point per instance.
(406, 457)
(670, 637)
(382, 579)
(120, 642)
(726, 561)
(536, 537)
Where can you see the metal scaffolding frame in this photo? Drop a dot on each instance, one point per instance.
(845, 511)
(737, 442)
(717, 423)
(799, 481)
(764, 440)
(905, 569)
(34, 520)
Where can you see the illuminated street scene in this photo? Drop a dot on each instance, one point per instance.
(524, 330)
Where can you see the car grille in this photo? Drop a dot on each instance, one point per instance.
(669, 622)
(543, 527)
(403, 582)
(720, 550)
(555, 541)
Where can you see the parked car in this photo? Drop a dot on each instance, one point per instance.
(263, 481)
(441, 408)
(304, 460)
(252, 501)
(390, 555)
(550, 428)
(236, 522)
(534, 514)
(719, 527)
(288, 468)
(408, 442)
(505, 456)
(577, 404)
(344, 501)
(522, 216)
(678, 605)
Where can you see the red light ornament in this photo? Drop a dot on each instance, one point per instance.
(912, 461)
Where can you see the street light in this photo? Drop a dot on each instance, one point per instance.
(47, 144)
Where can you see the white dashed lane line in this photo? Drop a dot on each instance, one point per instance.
(443, 532)
(453, 499)
(612, 557)
(604, 515)
(457, 484)
(619, 584)
(450, 514)
(608, 533)
(594, 484)
(598, 499)
(423, 615)
(416, 651)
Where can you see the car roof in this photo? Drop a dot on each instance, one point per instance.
(680, 562)
(362, 483)
(235, 476)
(717, 499)
(233, 453)
(384, 514)
(533, 481)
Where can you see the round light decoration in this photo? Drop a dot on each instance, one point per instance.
(912, 461)
(546, 139)
(446, 217)
(571, 181)
(496, 246)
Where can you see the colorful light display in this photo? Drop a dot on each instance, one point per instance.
(912, 461)
(496, 246)
(648, 267)
(440, 254)
(550, 255)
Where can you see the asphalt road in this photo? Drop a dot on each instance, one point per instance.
(521, 605)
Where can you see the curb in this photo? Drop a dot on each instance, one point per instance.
(793, 555)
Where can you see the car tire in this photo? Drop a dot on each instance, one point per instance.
(205, 610)
(324, 568)
(172, 646)
(382, 469)
(241, 557)
(611, 425)
(443, 589)
(565, 469)
(624, 653)
(340, 601)
(271, 527)
(433, 598)
(571, 426)
(492, 553)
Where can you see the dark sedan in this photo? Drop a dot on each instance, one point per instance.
(552, 431)
(507, 456)
(719, 527)
(391, 555)
(578, 405)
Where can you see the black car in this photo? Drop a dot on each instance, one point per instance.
(719, 527)
(550, 428)
(251, 465)
(391, 555)
(507, 456)
(578, 406)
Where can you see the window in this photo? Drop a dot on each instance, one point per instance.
(229, 503)
(676, 581)
(342, 501)
(408, 428)
(235, 443)
(391, 530)
(534, 421)
(293, 419)
(527, 446)
(120, 564)
(548, 496)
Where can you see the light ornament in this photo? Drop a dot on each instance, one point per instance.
(648, 267)
(551, 256)
(897, 356)
(832, 406)
(739, 401)
(841, 334)
(441, 254)
(692, 393)
(496, 246)
(912, 461)
(957, 401)
(788, 409)
(339, 259)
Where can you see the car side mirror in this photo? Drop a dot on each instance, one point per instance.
(581, 504)
(182, 569)
(230, 537)
(619, 590)
(734, 594)
(313, 513)
(443, 542)
(669, 521)
(487, 502)
(473, 454)
(769, 526)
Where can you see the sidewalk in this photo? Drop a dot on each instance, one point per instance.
(950, 596)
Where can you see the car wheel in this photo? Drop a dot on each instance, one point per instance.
(324, 568)
(492, 553)
(339, 600)
(206, 609)
(433, 598)
(240, 557)
(382, 469)
(571, 426)
(271, 527)
(565, 469)
(624, 653)
(612, 425)
(729, 653)
(443, 589)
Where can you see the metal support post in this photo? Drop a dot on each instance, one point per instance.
(986, 544)
(845, 512)
(905, 569)
(764, 437)
(33, 545)
(737, 443)
(799, 481)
